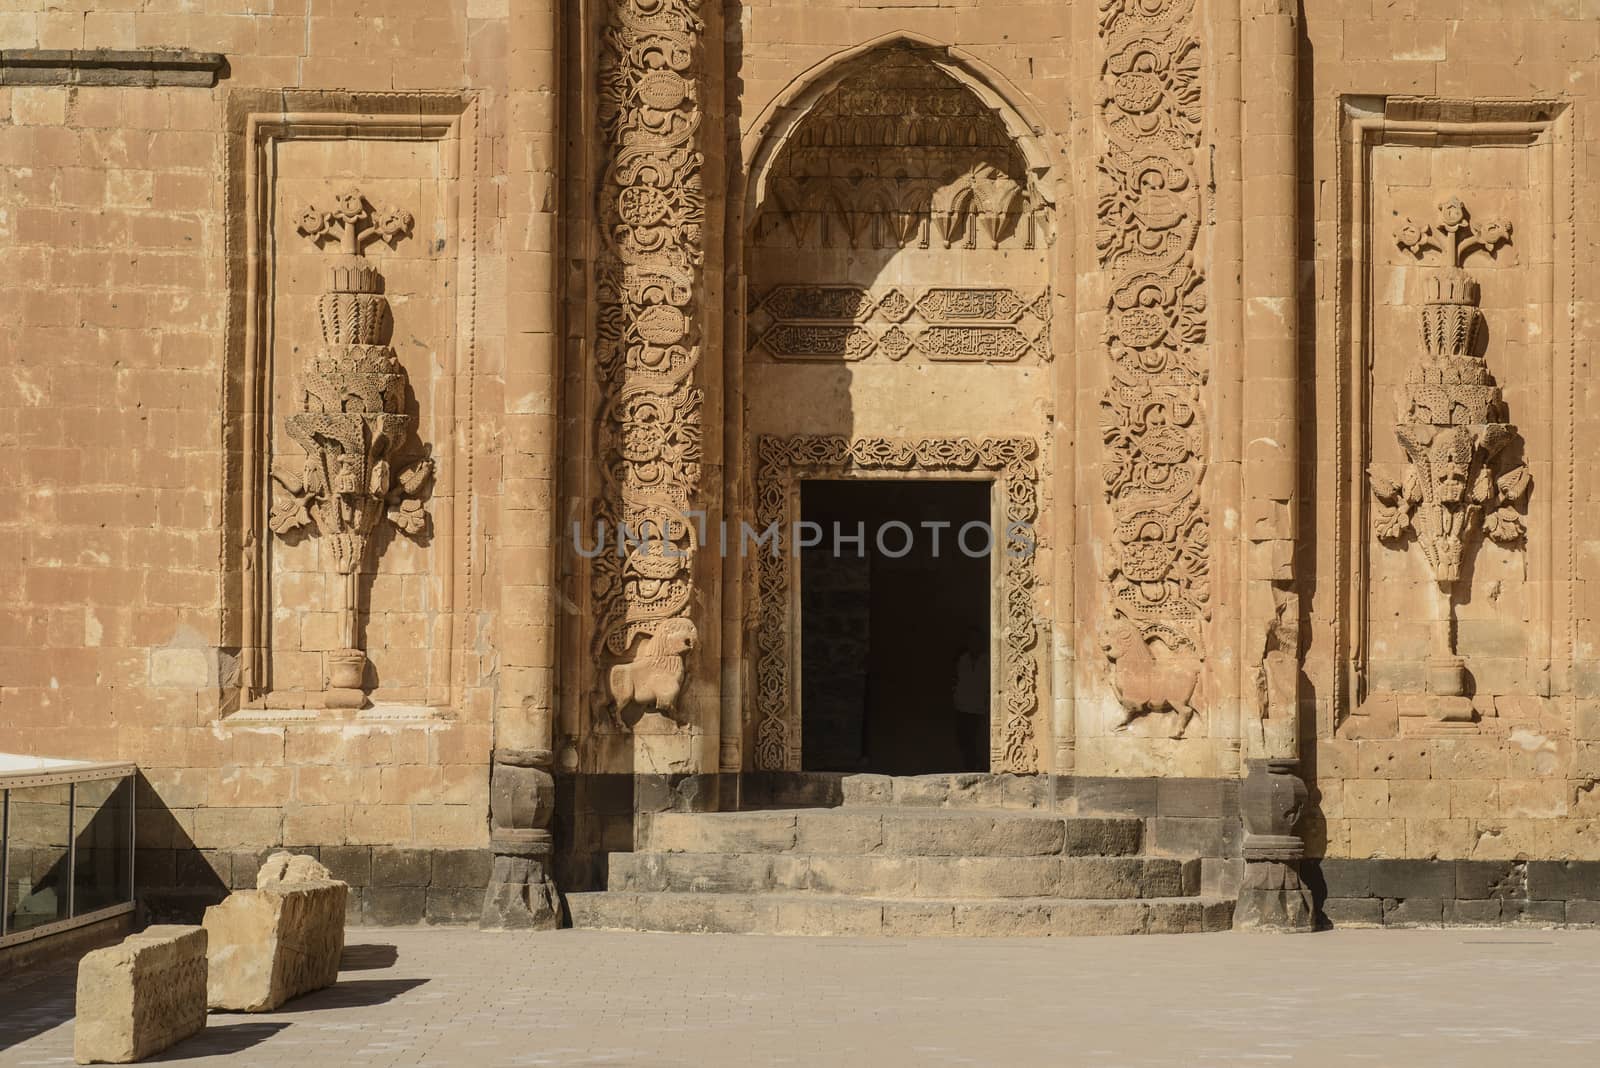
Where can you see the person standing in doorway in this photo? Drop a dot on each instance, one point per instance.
(971, 699)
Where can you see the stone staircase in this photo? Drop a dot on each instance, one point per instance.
(900, 869)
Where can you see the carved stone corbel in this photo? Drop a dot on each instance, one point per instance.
(353, 426)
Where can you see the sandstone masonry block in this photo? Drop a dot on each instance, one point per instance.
(277, 941)
(140, 996)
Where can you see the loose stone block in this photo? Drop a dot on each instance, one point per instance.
(282, 867)
(275, 942)
(141, 996)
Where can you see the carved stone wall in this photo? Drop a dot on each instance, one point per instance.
(1153, 415)
(294, 351)
(647, 347)
(782, 462)
(900, 319)
(1440, 354)
(900, 155)
(968, 324)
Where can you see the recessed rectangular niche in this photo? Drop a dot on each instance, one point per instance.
(411, 155)
(1407, 170)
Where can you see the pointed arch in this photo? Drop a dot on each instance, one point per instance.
(784, 115)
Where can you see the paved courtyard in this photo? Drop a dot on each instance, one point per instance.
(460, 997)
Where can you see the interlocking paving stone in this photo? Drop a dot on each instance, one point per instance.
(448, 997)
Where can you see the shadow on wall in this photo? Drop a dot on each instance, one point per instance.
(174, 880)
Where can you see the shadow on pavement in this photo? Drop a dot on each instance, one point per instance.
(352, 994)
(219, 1040)
(33, 1005)
(368, 957)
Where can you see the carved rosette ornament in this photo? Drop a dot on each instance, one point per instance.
(652, 213)
(1152, 414)
(1451, 423)
(353, 425)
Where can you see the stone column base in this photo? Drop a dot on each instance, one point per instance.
(1274, 899)
(521, 895)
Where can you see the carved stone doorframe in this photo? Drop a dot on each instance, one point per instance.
(782, 462)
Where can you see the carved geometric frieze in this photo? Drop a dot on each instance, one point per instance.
(781, 463)
(955, 324)
(647, 348)
(1152, 414)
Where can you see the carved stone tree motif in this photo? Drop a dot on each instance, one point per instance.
(652, 212)
(1152, 415)
(1452, 426)
(353, 425)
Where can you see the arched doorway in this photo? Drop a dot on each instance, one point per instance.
(898, 325)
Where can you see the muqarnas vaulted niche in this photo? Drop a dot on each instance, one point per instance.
(1452, 425)
(361, 469)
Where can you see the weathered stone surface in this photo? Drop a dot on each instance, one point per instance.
(140, 996)
(271, 944)
(818, 915)
(922, 238)
(283, 867)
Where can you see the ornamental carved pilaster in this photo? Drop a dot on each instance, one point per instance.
(1452, 424)
(647, 349)
(360, 469)
(1152, 414)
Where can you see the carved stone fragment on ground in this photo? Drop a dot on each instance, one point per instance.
(280, 940)
(140, 996)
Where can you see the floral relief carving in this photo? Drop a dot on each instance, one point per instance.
(652, 215)
(781, 462)
(1451, 421)
(1152, 414)
(353, 426)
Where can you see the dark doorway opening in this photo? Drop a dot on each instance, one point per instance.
(894, 627)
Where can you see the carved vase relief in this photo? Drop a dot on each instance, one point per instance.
(1451, 421)
(647, 346)
(354, 426)
(1152, 415)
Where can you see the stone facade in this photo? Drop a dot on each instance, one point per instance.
(338, 341)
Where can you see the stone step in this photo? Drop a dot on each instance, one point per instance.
(892, 831)
(817, 789)
(815, 914)
(888, 876)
